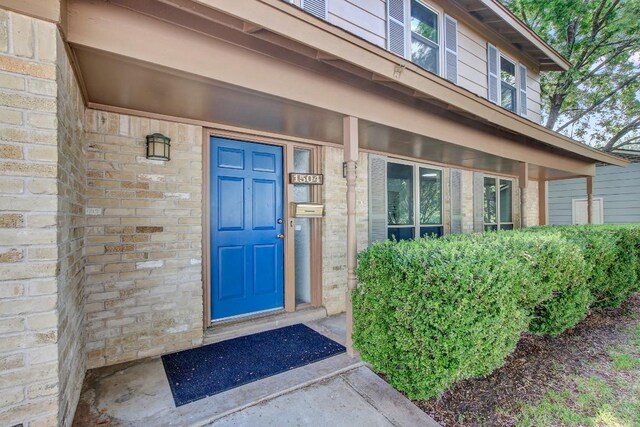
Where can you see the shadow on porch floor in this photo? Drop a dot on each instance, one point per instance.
(335, 391)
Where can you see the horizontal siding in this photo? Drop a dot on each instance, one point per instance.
(618, 187)
(472, 61)
(364, 18)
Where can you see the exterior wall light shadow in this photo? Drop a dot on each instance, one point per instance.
(158, 147)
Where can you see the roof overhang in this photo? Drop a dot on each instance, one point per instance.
(497, 17)
(280, 70)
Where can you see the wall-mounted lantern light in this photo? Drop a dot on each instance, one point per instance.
(158, 147)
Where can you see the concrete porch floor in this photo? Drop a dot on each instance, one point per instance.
(338, 391)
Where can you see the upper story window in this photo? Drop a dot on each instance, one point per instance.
(422, 33)
(498, 204)
(507, 81)
(507, 84)
(425, 36)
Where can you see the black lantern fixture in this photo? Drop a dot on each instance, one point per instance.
(158, 147)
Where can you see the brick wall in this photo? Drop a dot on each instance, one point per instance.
(71, 234)
(28, 210)
(144, 240)
(334, 225)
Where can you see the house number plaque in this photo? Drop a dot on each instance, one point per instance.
(306, 178)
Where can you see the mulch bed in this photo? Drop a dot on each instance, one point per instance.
(537, 365)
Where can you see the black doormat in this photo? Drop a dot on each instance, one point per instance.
(204, 371)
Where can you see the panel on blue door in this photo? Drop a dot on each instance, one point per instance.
(231, 202)
(264, 162)
(230, 158)
(264, 272)
(264, 204)
(246, 202)
(231, 272)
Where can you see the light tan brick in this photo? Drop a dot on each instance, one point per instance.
(43, 87)
(13, 82)
(10, 151)
(43, 153)
(4, 31)
(37, 204)
(15, 272)
(22, 35)
(44, 121)
(11, 325)
(16, 100)
(42, 186)
(11, 117)
(12, 361)
(12, 255)
(11, 186)
(46, 41)
(11, 220)
(34, 69)
(11, 396)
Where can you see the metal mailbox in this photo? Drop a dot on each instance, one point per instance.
(307, 210)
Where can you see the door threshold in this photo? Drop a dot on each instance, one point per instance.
(247, 316)
(236, 327)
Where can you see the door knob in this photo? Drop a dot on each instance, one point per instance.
(280, 236)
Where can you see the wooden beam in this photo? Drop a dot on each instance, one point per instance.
(589, 200)
(48, 10)
(351, 160)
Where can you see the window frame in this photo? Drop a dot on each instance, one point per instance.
(409, 35)
(498, 224)
(516, 77)
(417, 224)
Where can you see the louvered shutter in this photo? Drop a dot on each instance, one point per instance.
(522, 82)
(377, 198)
(451, 49)
(492, 73)
(396, 27)
(455, 188)
(316, 7)
(478, 202)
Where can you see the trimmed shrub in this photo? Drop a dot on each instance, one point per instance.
(430, 312)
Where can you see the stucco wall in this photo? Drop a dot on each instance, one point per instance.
(334, 225)
(144, 239)
(28, 209)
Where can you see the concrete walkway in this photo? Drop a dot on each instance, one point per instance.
(338, 391)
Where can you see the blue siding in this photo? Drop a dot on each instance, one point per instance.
(618, 187)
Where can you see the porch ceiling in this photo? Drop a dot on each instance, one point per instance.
(135, 63)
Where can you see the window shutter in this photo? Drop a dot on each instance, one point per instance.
(522, 81)
(478, 202)
(316, 7)
(451, 49)
(377, 198)
(395, 27)
(455, 188)
(492, 72)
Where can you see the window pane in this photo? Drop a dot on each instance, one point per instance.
(508, 97)
(430, 196)
(431, 231)
(506, 226)
(399, 194)
(506, 201)
(424, 55)
(490, 201)
(490, 227)
(302, 230)
(424, 21)
(397, 233)
(507, 71)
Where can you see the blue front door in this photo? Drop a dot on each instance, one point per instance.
(247, 246)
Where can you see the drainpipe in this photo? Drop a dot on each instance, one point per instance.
(350, 136)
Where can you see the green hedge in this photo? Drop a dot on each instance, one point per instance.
(430, 312)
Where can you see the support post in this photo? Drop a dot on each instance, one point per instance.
(542, 202)
(350, 159)
(589, 200)
(523, 182)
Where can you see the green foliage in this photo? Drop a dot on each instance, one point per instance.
(430, 312)
(596, 99)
